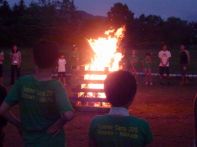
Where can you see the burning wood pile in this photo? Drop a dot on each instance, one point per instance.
(107, 58)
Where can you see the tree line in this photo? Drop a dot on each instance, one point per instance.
(60, 21)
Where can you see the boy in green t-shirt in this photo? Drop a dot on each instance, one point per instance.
(44, 105)
(118, 128)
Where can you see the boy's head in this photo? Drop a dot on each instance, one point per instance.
(133, 52)
(14, 48)
(45, 54)
(148, 54)
(120, 88)
(164, 47)
(62, 56)
(182, 47)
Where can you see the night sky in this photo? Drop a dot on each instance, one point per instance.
(185, 9)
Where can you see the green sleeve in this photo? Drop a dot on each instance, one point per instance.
(148, 134)
(91, 132)
(14, 94)
(62, 100)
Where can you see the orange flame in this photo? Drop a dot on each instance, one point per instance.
(107, 55)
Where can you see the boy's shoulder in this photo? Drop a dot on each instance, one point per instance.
(129, 119)
(25, 77)
(2, 88)
(31, 79)
(3, 93)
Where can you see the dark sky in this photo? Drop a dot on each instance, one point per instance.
(185, 9)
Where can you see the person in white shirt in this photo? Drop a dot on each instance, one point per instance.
(1, 66)
(62, 69)
(15, 63)
(164, 65)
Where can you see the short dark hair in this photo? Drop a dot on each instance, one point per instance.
(45, 54)
(120, 88)
(16, 48)
(148, 54)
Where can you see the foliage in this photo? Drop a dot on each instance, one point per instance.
(61, 22)
(120, 15)
(150, 31)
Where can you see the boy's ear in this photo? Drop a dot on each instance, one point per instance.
(128, 105)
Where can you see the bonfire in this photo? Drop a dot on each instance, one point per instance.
(106, 58)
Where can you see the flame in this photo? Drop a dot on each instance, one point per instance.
(105, 51)
(107, 57)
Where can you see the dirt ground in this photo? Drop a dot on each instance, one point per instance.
(169, 111)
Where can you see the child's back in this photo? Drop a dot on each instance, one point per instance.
(118, 128)
(41, 104)
(44, 105)
(121, 131)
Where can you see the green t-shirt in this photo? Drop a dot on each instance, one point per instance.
(119, 131)
(41, 104)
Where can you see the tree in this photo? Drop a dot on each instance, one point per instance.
(68, 5)
(22, 6)
(44, 2)
(176, 31)
(5, 10)
(120, 15)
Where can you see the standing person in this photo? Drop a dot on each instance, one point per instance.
(133, 62)
(164, 65)
(1, 66)
(118, 128)
(15, 63)
(62, 69)
(44, 105)
(147, 64)
(75, 58)
(184, 62)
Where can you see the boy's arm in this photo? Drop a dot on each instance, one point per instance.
(149, 136)
(4, 108)
(1, 56)
(188, 55)
(92, 143)
(64, 107)
(58, 125)
(91, 133)
(20, 59)
(9, 116)
(12, 119)
(11, 99)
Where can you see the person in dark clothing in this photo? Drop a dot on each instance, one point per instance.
(3, 121)
(184, 62)
(1, 65)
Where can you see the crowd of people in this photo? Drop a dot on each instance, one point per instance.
(164, 56)
(130, 61)
(45, 107)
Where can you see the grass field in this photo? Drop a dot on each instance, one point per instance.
(169, 110)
